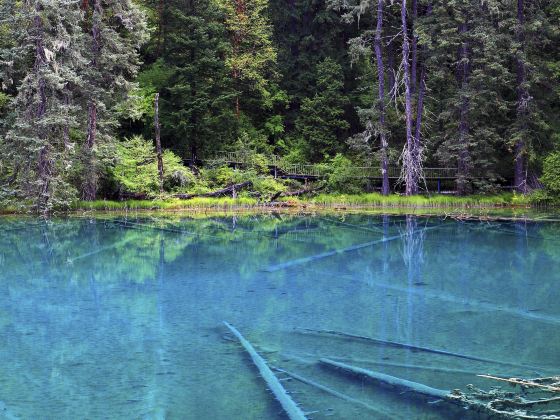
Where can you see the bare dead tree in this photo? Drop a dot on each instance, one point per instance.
(411, 168)
(158, 142)
(381, 99)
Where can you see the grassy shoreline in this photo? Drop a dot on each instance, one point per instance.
(322, 201)
(506, 205)
(328, 201)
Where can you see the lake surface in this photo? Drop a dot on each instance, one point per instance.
(122, 317)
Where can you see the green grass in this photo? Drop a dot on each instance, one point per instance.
(322, 201)
(419, 201)
(169, 204)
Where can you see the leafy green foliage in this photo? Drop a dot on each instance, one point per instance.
(135, 169)
(551, 173)
(342, 176)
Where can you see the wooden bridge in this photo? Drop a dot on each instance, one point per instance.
(280, 169)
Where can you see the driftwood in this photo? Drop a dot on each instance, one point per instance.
(412, 347)
(289, 406)
(305, 260)
(523, 383)
(229, 190)
(495, 402)
(333, 392)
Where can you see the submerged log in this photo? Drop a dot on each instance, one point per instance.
(333, 392)
(289, 406)
(494, 403)
(229, 190)
(411, 347)
(392, 380)
(305, 260)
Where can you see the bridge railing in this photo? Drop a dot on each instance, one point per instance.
(310, 170)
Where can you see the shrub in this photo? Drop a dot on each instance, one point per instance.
(135, 168)
(341, 176)
(551, 173)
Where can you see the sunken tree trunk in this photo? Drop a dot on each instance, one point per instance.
(158, 142)
(523, 98)
(381, 103)
(463, 158)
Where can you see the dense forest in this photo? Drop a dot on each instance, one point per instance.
(112, 98)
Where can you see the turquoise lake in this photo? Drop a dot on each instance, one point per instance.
(121, 317)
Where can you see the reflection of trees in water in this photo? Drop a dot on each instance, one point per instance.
(413, 257)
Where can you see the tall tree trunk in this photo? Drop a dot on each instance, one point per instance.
(523, 98)
(463, 158)
(414, 49)
(66, 129)
(381, 100)
(410, 167)
(391, 65)
(158, 142)
(44, 164)
(90, 176)
(419, 114)
(161, 27)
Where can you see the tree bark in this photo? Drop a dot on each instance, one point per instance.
(381, 100)
(158, 142)
(463, 158)
(523, 98)
(414, 49)
(90, 182)
(391, 65)
(410, 168)
(44, 164)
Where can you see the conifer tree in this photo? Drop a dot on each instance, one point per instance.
(117, 29)
(43, 63)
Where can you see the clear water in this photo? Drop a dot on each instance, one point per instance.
(122, 318)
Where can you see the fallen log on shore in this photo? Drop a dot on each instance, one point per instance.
(295, 193)
(289, 406)
(229, 190)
